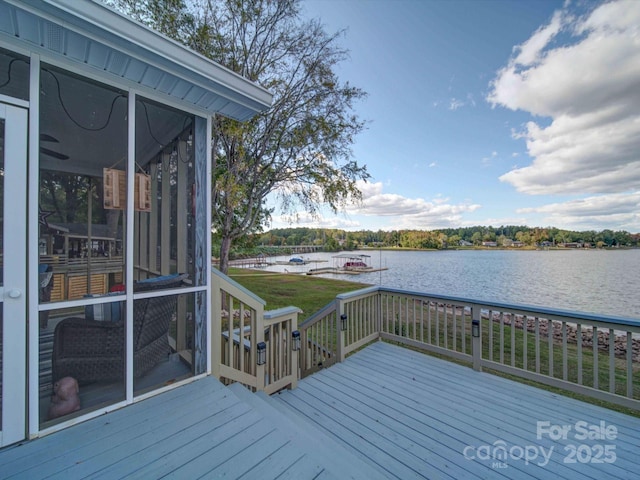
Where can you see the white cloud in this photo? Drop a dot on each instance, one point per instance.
(590, 91)
(530, 51)
(304, 220)
(455, 104)
(394, 211)
(403, 212)
(616, 211)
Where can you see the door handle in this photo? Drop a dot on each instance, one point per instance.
(14, 293)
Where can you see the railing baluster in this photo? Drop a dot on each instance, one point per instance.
(537, 340)
(513, 339)
(550, 328)
(629, 365)
(501, 337)
(612, 361)
(446, 329)
(464, 329)
(405, 317)
(421, 320)
(490, 323)
(365, 306)
(351, 328)
(369, 309)
(386, 312)
(525, 321)
(413, 307)
(429, 339)
(359, 330)
(394, 315)
(231, 343)
(315, 345)
(579, 346)
(241, 338)
(596, 368)
(454, 311)
(437, 324)
(565, 369)
(359, 318)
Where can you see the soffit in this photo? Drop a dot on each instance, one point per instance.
(94, 37)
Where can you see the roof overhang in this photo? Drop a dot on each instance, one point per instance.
(97, 38)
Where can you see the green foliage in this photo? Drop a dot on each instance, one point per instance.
(445, 238)
(298, 150)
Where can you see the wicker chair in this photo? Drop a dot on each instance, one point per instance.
(92, 351)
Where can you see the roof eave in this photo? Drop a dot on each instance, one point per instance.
(102, 23)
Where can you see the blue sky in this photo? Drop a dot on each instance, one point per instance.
(491, 112)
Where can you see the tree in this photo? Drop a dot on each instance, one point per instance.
(299, 150)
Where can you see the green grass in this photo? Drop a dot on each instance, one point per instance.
(309, 293)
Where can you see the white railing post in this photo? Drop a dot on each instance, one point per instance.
(294, 365)
(257, 337)
(379, 314)
(282, 362)
(476, 338)
(341, 332)
(216, 326)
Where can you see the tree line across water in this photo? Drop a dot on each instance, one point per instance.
(503, 236)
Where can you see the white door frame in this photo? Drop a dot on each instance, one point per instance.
(13, 292)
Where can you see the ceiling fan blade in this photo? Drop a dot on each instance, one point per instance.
(51, 153)
(45, 137)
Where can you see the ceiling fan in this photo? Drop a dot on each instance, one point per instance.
(45, 137)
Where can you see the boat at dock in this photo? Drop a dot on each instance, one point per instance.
(348, 264)
(293, 261)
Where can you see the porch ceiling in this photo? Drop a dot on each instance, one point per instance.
(98, 39)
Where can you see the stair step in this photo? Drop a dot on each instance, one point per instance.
(335, 459)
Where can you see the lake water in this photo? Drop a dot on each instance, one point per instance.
(594, 281)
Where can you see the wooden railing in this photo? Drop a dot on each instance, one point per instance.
(249, 345)
(592, 355)
(319, 340)
(281, 369)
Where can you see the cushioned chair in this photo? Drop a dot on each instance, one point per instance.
(91, 350)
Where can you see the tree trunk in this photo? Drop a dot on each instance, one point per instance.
(225, 247)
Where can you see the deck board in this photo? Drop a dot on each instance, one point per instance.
(198, 430)
(386, 398)
(385, 412)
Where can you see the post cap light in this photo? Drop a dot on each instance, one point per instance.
(295, 336)
(262, 353)
(475, 328)
(343, 322)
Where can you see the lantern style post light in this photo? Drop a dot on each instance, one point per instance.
(475, 328)
(262, 353)
(295, 336)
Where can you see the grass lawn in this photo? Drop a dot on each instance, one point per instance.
(309, 293)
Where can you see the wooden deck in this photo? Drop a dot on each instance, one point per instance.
(386, 412)
(413, 416)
